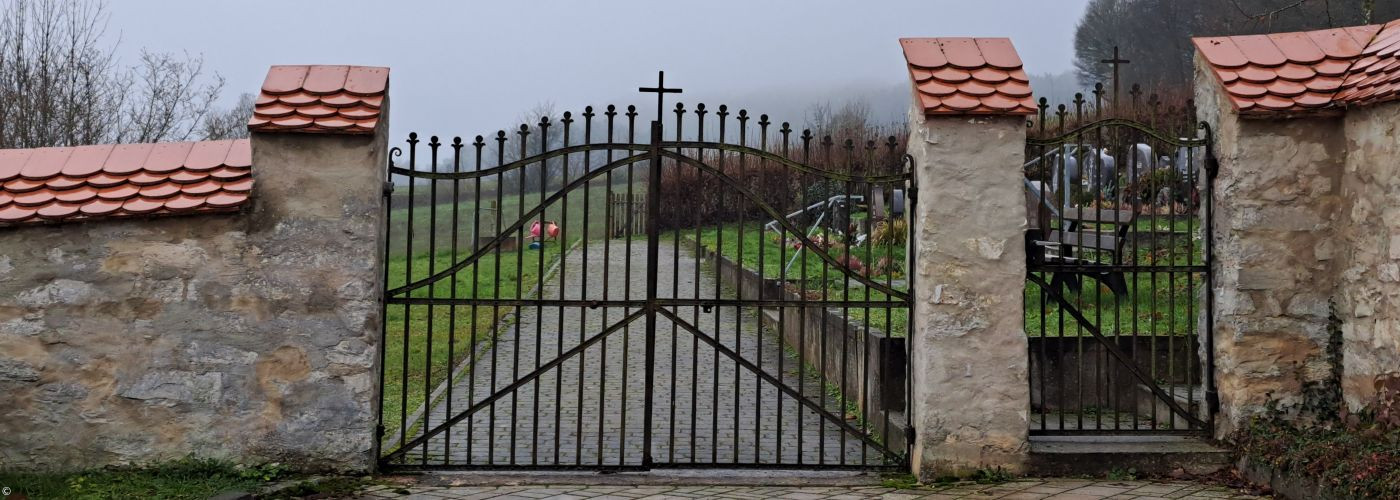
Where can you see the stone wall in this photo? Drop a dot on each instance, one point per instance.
(1276, 201)
(1307, 247)
(1368, 301)
(249, 336)
(971, 397)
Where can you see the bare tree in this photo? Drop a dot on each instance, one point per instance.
(231, 123)
(61, 84)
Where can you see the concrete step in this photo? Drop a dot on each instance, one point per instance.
(1189, 397)
(1148, 455)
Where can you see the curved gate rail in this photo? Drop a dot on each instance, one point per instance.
(759, 322)
(1118, 294)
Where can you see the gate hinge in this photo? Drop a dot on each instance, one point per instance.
(378, 432)
(388, 188)
(909, 438)
(913, 195)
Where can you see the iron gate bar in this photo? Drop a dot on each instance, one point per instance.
(509, 231)
(770, 156)
(653, 269)
(510, 389)
(1121, 122)
(517, 164)
(774, 381)
(782, 221)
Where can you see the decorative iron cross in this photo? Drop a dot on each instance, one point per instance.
(661, 91)
(1116, 62)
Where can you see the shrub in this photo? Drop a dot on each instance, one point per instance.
(1354, 455)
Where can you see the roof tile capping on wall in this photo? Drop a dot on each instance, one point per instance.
(968, 76)
(1306, 71)
(320, 99)
(61, 184)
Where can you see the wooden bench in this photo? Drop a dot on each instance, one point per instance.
(1084, 237)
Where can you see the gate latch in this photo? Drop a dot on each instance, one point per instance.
(593, 304)
(707, 307)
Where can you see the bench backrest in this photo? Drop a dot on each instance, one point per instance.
(1109, 231)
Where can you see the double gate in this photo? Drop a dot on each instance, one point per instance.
(759, 321)
(1118, 290)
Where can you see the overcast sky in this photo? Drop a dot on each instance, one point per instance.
(467, 68)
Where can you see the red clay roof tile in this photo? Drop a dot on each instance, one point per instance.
(320, 99)
(47, 185)
(957, 76)
(367, 81)
(284, 79)
(321, 80)
(1286, 72)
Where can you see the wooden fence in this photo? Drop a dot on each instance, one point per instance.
(627, 217)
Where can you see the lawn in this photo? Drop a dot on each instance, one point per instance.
(437, 338)
(1157, 303)
(1161, 302)
(808, 273)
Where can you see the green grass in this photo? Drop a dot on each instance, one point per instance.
(764, 251)
(182, 479)
(1160, 303)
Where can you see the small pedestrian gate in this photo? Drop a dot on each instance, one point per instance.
(759, 320)
(1118, 294)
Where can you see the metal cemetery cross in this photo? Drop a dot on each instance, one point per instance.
(1116, 62)
(661, 91)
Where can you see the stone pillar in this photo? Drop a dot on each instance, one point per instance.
(325, 193)
(1276, 201)
(971, 398)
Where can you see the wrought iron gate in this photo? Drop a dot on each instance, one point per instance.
(1118, 293)
(758, 322)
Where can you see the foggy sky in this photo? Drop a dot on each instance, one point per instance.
(467, 68)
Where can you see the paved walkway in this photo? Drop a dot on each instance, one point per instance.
(589, 410)
(1058, 489)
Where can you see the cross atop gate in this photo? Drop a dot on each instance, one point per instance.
(661, 91)
(1116, 62)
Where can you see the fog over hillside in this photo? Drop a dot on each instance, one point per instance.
(888, 101)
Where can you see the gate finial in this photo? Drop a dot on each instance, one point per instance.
(661, 91)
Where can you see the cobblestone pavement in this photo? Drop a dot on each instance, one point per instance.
(590, 409)
(1058, 489)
